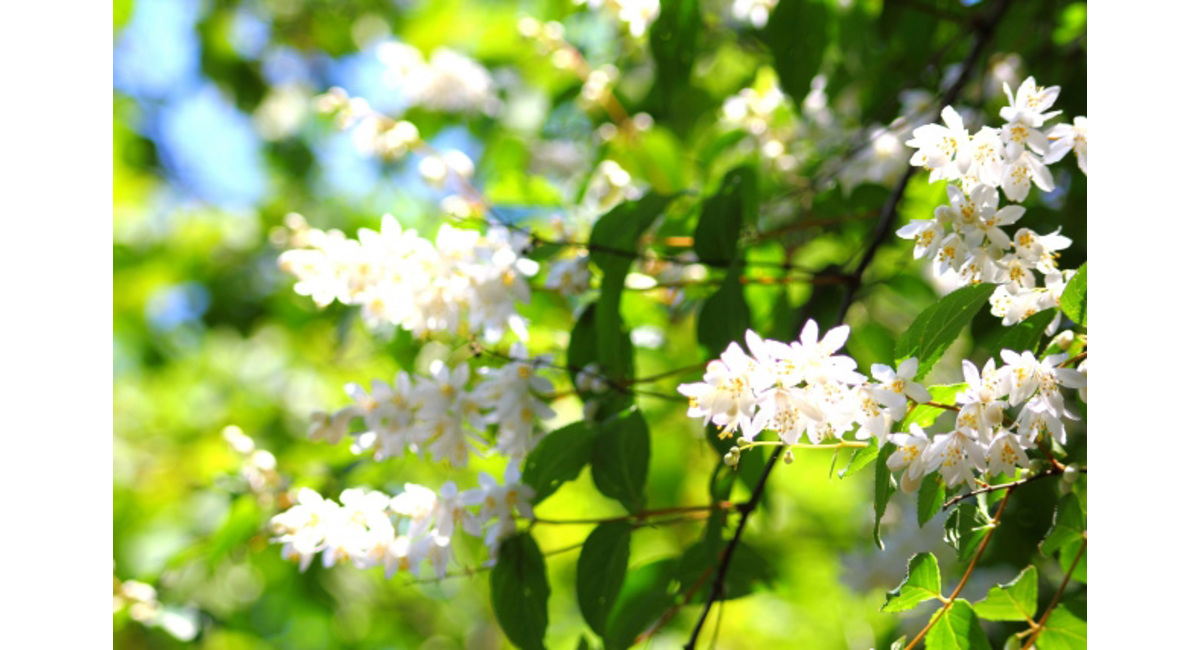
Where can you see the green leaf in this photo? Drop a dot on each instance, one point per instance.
(1063, 631)
(1074, 297)
(1066, 536)
(647, 594)
(614, 246)
(601, 572)
(1068, 525)
(748, 570)
(923, 582)
(930, 498)
(621, 458)
(936, 328)
(965, 527)
(559, 458)
(243, 521)
(520, 592)
(673, 40)
(957, 629)
(885, 487)
(1015, 601)
(924, 416)
(1025, 335)
(614, 239)
(725, 317)
(796, 34)
(583, 350)
(721, 216)
(861, 457)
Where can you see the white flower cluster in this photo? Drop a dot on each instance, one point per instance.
(374, 134)
(983, 440)
(755, 12)
(801, 389)
(448, 82)
(636, 14)
(370, 529)
(968, 237)
(440, 415)
(462, 281)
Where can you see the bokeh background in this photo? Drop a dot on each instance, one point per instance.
(216, 140)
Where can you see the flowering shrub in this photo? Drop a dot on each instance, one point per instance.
(725, 259)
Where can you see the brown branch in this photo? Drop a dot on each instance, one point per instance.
(967, 574)
(992, 488)
(1041, 624)
(645, 514)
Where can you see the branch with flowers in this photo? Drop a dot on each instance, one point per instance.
(553, 406)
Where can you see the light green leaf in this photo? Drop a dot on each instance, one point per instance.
(923, 582)
(520, 592)
(601, 572)
(1074, 297)
(1015, 601)
(936, 328)
(885, 487)
(558, 458)
(957, 629)
(930, 498)
(621, 458)
(861, 457)
(1064, 631)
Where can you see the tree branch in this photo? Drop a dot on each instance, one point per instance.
(1041, 624)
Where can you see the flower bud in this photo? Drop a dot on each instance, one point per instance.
(789, 457)
(1071, 474)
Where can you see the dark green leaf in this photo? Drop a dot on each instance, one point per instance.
(621, 458)
(957, 629)
(673, 39)
(860, 459)
(1064, 631)
(1074, 297)
(747, 570)
(520, 592)
(923, 582)
(930, 497)
(796, 34)
(1025, 335)
(885, 487)
(648, 592)
(965, 527)
(1068, 525)
(1066, 536)
(1015, 601)
(614, 239)
(583, 350)
(936, 328)
(721, 217)
(559, 458)
(601, 572)
(724, 318)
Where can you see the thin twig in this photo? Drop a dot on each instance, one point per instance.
(1041, 624)
(992, 488)
(949, 602)
(644, 514)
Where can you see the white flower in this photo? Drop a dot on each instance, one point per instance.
(897, 385)
(725, 397)
(1005, 453)
(569, 275)
(956, 455)
(982, 409)
(1069, 137)
(944, 150)
(1030, 104)
(909, 456)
